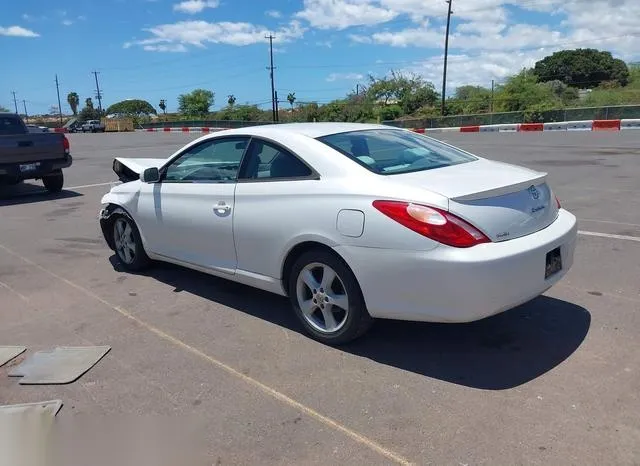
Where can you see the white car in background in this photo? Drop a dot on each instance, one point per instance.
(353, 222)
(37, 129)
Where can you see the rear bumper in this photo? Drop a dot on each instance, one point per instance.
(43, 168)
(460, 285)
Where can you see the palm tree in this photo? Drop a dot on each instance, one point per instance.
(163, 106)
(88, 102)
(73, 100)
(291, 98)
(232, 100)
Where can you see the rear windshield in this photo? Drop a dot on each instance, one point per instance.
(392, 151)
(10, 124)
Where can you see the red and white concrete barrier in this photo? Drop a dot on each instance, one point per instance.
(629, 124)
(586, 125)
(561, 126)
(182, 129)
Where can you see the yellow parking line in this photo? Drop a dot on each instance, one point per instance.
(249, 380)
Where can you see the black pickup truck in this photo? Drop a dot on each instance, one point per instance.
(31, 156)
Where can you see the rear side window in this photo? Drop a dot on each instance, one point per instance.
(11, 125)
(392, 151)
(266, 161)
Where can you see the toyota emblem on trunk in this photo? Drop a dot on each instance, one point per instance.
(534, 192)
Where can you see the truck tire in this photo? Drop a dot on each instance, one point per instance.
(54, 182)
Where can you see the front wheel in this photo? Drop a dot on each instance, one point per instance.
(327, 299)
(54, 182)
(128, 244)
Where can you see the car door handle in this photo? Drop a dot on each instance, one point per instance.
(221, 208)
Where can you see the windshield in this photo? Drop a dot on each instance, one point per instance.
(392, 151)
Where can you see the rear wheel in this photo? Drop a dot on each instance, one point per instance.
(54, 181)
(128, 244)
(327, 299)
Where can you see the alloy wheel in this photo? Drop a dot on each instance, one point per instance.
(322, 297)
(124, 241)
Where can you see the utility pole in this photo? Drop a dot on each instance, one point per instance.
(98, 94)
(357, 89)
(446, 53)
(26, 115)
(15, 102)
(59, 105)
(273, 87)
(492, 88)
(277, 109)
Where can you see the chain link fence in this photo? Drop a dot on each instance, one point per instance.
(548, 116)
(226, 124)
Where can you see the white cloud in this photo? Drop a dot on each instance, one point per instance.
(199, 33)
(195, 6)
(67, 22)
(17, 31)
(479, 70)
(344, 77)
(341, 14)
(273, 13)
(165, 48)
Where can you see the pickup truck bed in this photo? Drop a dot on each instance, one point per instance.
(25, 155)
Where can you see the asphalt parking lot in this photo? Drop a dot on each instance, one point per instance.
(556, 381)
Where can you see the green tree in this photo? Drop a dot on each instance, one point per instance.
(522, 91)
(567, 95)
(89, 113)
(469, 100)
(410, 92)
(292, 99)
(73, 100)
(3, 109)
(196, 103)
(88, 102)
(582, 68)
(241, 113)
(132, 108)
(163, 106)
(231, 100)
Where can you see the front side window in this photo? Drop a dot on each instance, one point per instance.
(391, 151)
(216, 160)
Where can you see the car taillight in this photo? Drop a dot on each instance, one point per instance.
(65, 144)
(437, 224)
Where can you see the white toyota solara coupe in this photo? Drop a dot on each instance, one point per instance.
(352, 222)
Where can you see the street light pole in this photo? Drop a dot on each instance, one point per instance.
(446, 53)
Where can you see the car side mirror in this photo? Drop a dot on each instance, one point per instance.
(150, 175)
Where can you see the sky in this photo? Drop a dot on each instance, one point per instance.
(158, 49)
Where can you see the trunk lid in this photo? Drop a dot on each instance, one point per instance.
(31, 147)
(502, 200)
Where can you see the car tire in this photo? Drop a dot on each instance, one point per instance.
(350, 323)
(128, 244)
(54, 182)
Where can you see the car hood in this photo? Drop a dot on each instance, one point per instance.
(138, 165)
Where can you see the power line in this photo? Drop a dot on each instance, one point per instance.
(15, 102)
(98, 94)
(446, 53)
(271, 68)
(59, 104)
